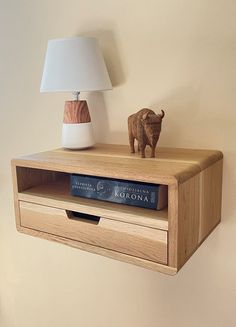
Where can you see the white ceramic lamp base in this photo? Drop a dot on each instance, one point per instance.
(77, 136)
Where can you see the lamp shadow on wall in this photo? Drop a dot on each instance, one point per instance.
(97, 100)
(99, 116)
(111, 53)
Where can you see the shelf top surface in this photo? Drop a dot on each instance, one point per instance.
(171, 165)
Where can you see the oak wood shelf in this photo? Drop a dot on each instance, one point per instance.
(159, 240)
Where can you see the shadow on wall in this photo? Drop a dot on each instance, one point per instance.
(108, 44)
(96, 101)
(182, 102)
(181, 105)
(99, 116)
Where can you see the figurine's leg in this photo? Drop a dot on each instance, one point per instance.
(131, 142)
(153, 152)
(142, 148)
(138, 147)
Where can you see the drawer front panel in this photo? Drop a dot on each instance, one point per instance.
(139, 241)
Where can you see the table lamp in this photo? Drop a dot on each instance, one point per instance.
(75, 65)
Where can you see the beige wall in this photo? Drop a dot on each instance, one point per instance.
(173, 54)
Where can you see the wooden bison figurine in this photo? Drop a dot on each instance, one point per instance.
(145, 127)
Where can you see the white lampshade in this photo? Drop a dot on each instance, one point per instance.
(74, 65)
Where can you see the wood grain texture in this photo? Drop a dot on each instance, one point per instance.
(28, 177)
(76, 112)
(194, 179)
(199, 210)
(53, 189)
(210, 198)
(101, 251)
(188, 219)
(201, 157)
(139, 241)
(57, 195)
(160, 170)
(15, 194)
(173, 224)
(145, 127)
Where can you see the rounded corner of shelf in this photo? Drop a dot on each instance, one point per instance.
(13, 161)
(219, 154)
(176, 179)
(171, 271)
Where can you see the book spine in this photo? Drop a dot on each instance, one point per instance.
(126, 192)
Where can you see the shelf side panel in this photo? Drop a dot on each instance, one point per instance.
(172, 224)
(15, 193)
(30, 177)
(188, 219)
(210, 200)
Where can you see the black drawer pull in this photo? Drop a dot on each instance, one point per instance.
(82, 216)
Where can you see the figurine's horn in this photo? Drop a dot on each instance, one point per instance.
(162, 114)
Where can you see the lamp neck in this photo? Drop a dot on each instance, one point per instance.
(75, 96)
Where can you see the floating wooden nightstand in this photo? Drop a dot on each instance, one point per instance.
(160, 240)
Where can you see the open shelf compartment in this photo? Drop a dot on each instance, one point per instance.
(53, 188)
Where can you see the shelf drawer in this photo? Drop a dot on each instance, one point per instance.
(135, 240)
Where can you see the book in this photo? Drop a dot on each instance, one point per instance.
(140, 194)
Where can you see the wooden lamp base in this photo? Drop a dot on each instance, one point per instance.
(77, 132)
